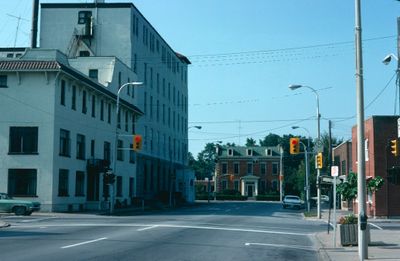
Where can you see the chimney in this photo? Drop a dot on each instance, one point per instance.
(35, 14)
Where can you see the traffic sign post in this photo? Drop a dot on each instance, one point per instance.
(335, 174)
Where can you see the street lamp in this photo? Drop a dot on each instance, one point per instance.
(307, 167)
(386, 61)
(294, 87)
(116, 141)
(196, 126)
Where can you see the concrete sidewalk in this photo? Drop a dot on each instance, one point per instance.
(385, 244)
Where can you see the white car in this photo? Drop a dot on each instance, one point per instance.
(292, 201)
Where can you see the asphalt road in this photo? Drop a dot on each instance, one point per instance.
(216, 231)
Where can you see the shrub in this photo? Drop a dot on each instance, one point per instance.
(268, 197)
(349, 219)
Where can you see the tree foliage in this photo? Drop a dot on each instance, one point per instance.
(348, 189)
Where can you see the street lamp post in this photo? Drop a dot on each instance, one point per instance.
(294, 87)
(116, 142)
(306, 151)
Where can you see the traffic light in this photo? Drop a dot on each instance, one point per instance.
(137, 142)
(394, 147)
(294, 145)
(111, 178)
(318, 161)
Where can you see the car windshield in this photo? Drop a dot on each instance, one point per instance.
(5, 196)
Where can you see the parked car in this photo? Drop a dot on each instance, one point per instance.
(19, 207)
(292, 201)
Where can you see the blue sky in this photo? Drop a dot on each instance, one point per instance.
(245, 54)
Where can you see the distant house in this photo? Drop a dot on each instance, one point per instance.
(250, 170)
(379, 161)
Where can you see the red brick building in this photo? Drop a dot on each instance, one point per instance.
(379, 161)
(250, 170)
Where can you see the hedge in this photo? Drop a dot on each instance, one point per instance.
(271, 197)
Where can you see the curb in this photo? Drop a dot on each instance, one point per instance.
(322, 253)
(4, 224)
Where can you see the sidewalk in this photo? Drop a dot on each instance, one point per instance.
(385, 244)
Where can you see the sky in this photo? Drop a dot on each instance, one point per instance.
(245, 54)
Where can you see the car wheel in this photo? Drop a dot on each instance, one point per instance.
(19, 211)
(28, 213)
(284, 206)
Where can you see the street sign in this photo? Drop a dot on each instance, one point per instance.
(319, 146)
(398, 127)
(334, 171)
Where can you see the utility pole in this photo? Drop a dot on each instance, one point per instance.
(281, 175)
(361, 187)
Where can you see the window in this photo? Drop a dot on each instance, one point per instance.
(275, 185)
(133, 124)
(92, 148)
(131, 187)
(3, 81)
(93, 106)
(230, 152)
(80, 146)
(224, 184)
(135, 63)
(145, 103)
(10, 55)
(366, 150)
(119, 119)
(22, 182)
(343, 167)
(62, 92)
(109, 113)
(93, 74)
(73, 102)
(224, 168)
(65, 146)
(119, 80)
(235, 168)
(263, 168)
(84, 53)
(236, 184)
(80, 183)
(131, 155)
(249, 168)
(120, 152)
(249, 152)
(107, 151)
(119, 186)
(126, 120)
(23, 140)
(63, 183)
(274, 168)
(84, 108)
(84, 16)
(151, 107)
(102, 110)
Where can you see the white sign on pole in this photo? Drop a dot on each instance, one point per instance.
(398, 127)
(334, 171)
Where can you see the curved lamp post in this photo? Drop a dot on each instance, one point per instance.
(386, 61)
(297, 86)
(116, 141)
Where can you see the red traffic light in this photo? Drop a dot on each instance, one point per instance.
(294, 141)
(138, 138)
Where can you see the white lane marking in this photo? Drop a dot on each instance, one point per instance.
(282, 246)
(84, 243)
(173, 226)
(374, 225)
(146, 228)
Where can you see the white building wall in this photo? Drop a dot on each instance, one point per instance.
(29, 102)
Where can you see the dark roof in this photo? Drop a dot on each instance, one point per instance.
(24, 65)
(19, 65)
(183, 58)
(241, 151)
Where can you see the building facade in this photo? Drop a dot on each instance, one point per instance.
(379, 161)
(63, 96)
(251, 170)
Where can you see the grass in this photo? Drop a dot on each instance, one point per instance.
(312, 213)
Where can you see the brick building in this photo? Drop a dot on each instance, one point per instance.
(250, 170)
(379, 161)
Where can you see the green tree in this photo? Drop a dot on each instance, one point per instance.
(250, 142)
(205, 163)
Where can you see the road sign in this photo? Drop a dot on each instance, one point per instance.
(335, 171)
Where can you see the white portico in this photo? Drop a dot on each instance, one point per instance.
(249, 185)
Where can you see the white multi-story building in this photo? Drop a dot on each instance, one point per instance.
(61, 97)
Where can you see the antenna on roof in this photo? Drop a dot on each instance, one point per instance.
(19, 18)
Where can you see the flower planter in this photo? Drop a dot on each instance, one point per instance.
(349, 234)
